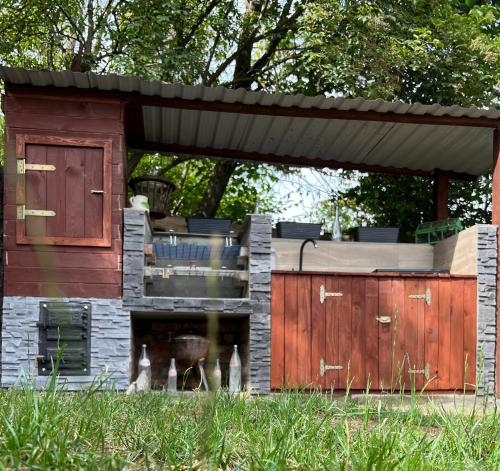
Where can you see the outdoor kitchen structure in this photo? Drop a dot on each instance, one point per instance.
(83, 270)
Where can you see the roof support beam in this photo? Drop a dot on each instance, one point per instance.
(134, 123)
(440, 196)
(288, 160)
(137, 99)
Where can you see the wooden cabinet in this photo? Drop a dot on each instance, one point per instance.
(377, 331)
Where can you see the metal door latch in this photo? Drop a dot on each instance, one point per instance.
(22, 212)
(426, 371)
(97, 192)
(22, 167)
(384, 319)
(426, 296)
(323, 367)
(323, 294)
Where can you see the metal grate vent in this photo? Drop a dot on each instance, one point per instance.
(65, 326)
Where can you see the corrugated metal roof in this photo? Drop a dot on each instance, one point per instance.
(403, 145)
(400, 145)
(125, 83)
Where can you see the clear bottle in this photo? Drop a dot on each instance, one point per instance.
(144, 378)
(172, 377)
(235, 372)
(217, 376)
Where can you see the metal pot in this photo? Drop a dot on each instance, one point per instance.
(189, 349)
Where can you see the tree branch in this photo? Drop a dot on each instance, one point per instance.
(210, 58)
(199, 21)
(177, 161)
(80, 35)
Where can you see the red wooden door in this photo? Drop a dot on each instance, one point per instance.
(72, 191)
(376, 332)
(350, 357)
(293, 344)
(430, 340)
(414, 323)
(72, 181)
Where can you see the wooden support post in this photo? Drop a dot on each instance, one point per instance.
(495, 219)
(441, 183)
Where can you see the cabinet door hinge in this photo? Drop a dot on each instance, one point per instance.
(22, 212)
(427, 296)
(323, 294)
(22, 167)
(323, 367)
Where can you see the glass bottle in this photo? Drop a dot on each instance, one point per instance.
(172, 377)
(235, 372)
(217, 375)
(144, 370)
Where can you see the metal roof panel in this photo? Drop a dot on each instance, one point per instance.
(403, 145)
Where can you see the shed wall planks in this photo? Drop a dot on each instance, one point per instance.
(62, 270)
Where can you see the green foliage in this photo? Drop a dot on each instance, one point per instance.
(250, 189)
(250, 185)
(376, 195)
(431, 51)
(406, 202)
(424, 50)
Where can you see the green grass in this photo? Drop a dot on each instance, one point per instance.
(108, 430)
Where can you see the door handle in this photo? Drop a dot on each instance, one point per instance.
(97, 192)
(384, 319)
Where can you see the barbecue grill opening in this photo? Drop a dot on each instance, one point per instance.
(196, 266)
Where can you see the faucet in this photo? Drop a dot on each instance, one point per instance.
(302, 250)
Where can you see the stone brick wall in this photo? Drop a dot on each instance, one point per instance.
(257, 236)
(259, 246)
(134, 238)
(486, 307)
(109, 343)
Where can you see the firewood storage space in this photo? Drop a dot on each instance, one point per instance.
(159, 335)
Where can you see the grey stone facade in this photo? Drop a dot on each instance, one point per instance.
(257, 237)
(486, 307)
(259, 246)
(109, 343)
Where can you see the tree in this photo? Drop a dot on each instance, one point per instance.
(427, 51)
(420, 50)
(210, 42)
(250, 185)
